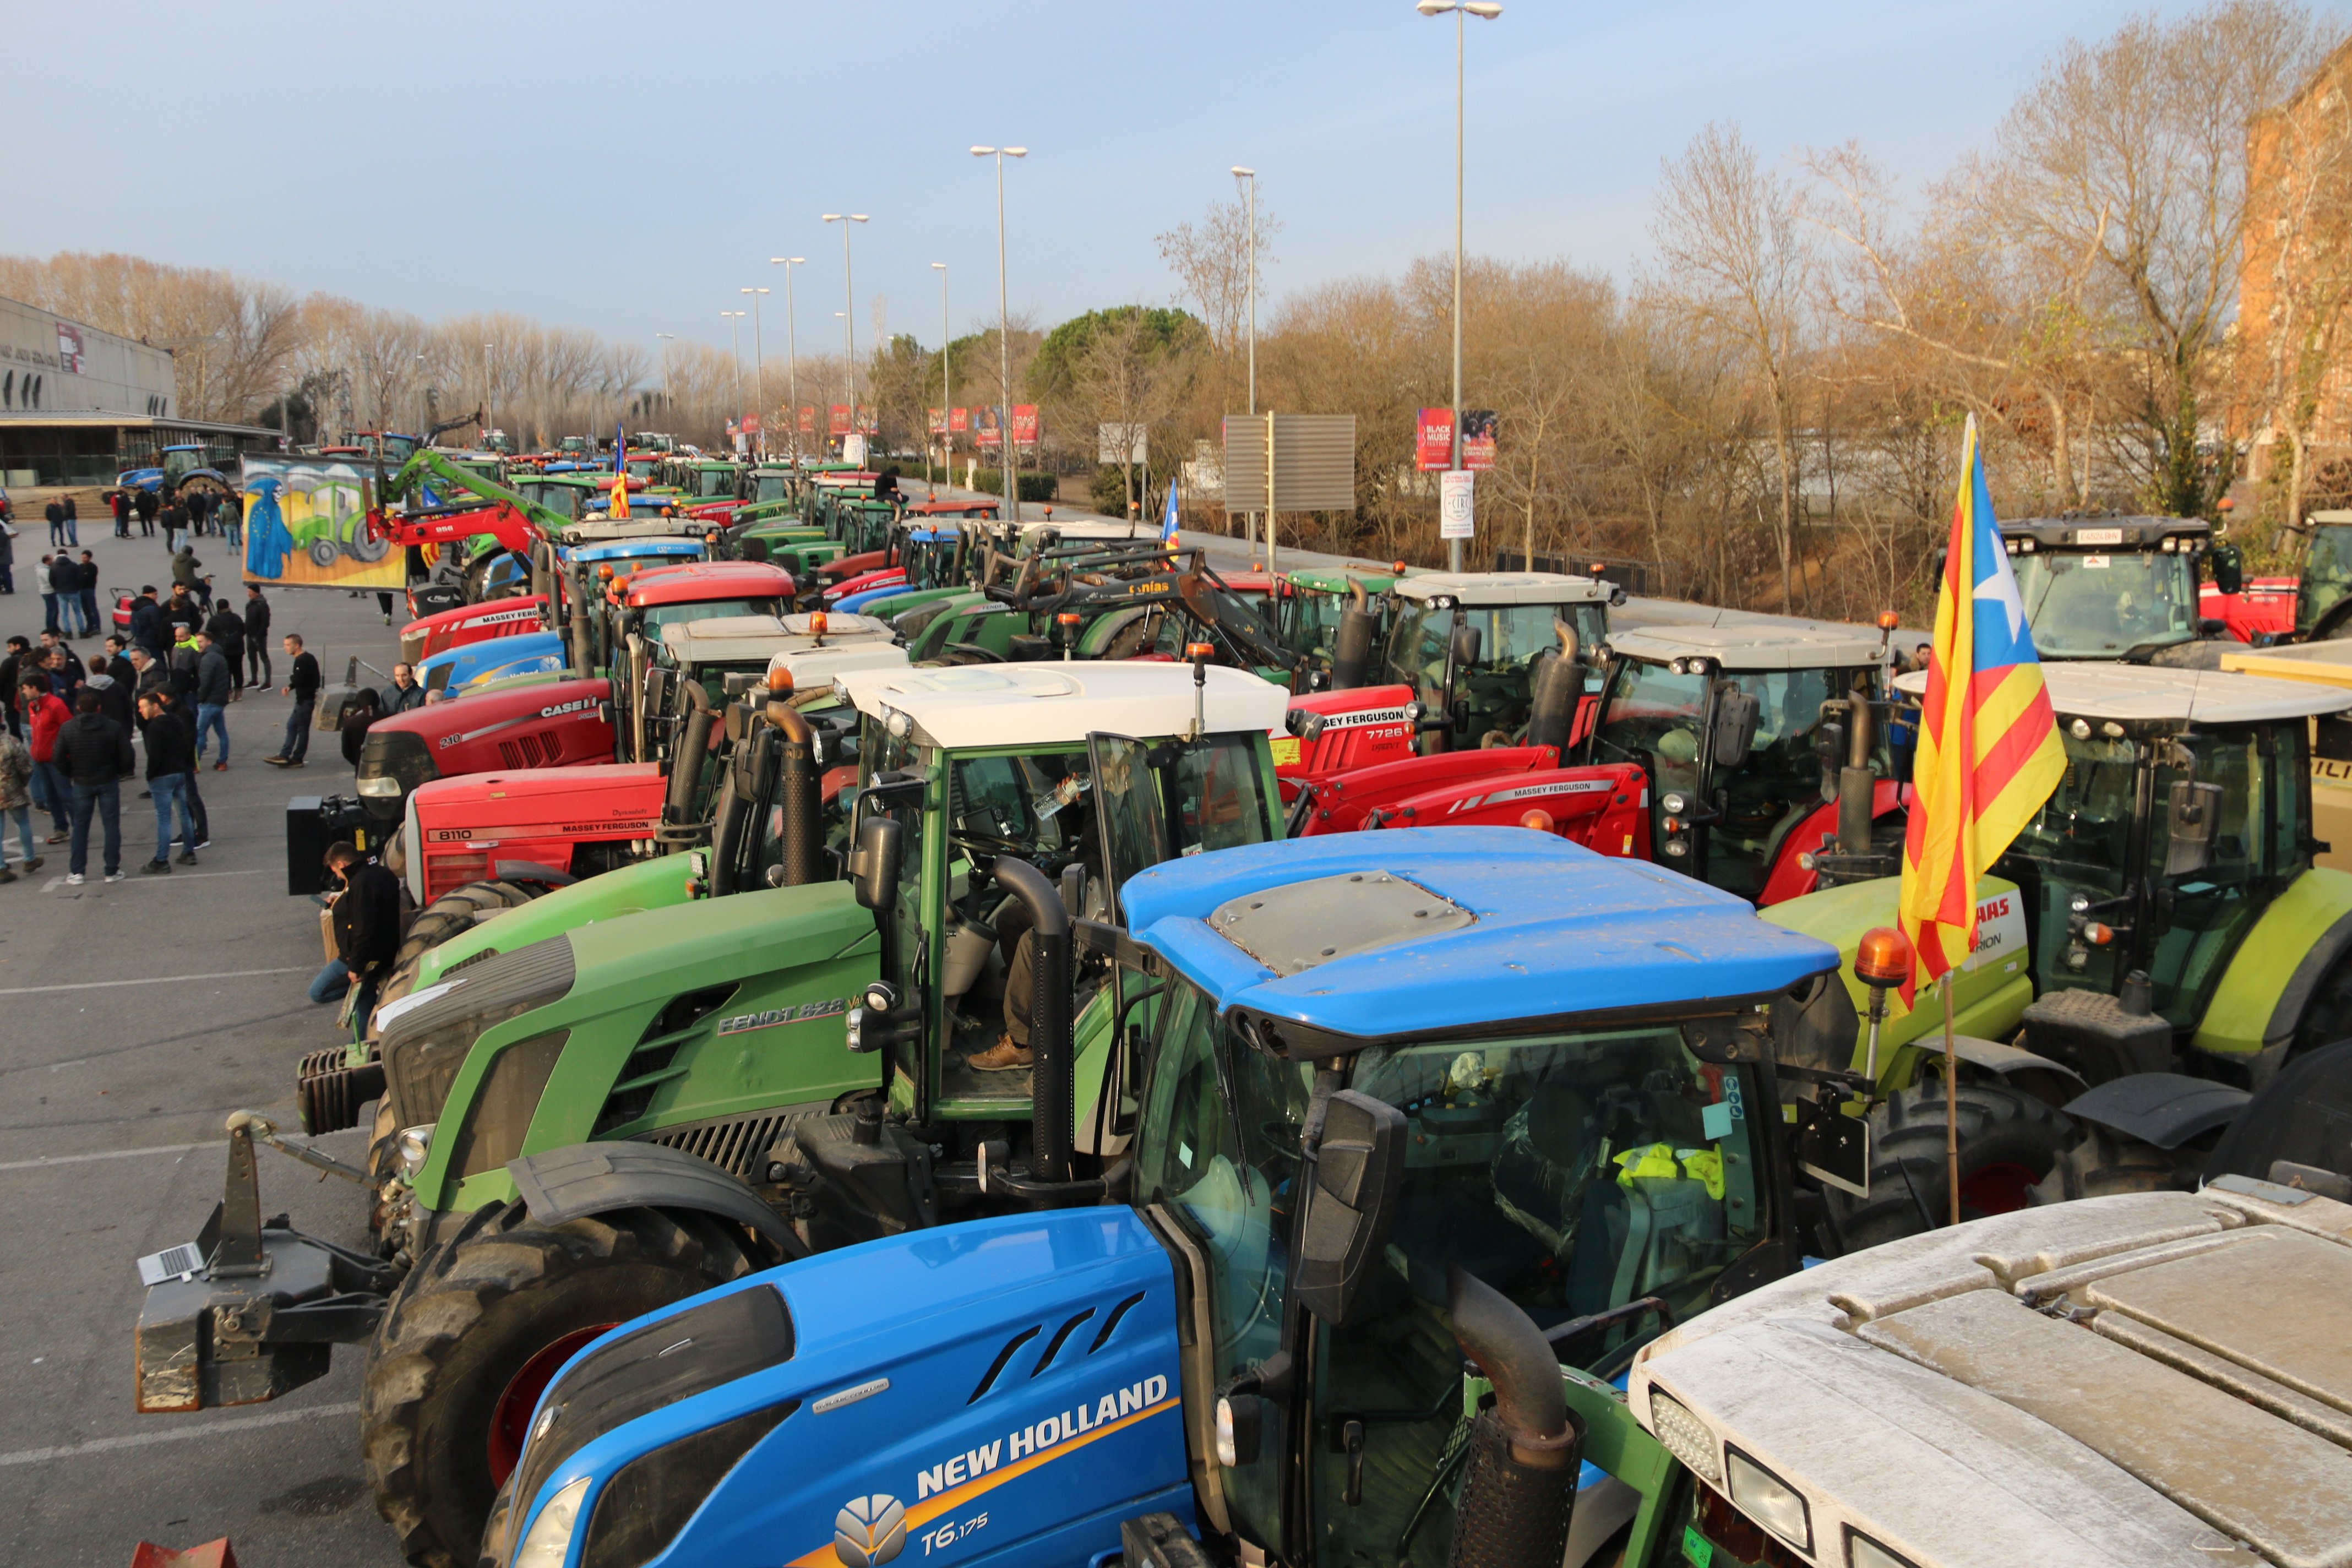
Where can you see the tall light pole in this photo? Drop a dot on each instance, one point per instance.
(760, 367)
(792, 349)
(947, 425)
(735, 354)
(1250, 529)
(1486, 10)
(849, 317)
(1003, 337)
(490, 388)
(670, 402)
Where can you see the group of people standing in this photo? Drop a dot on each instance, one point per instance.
(185, 512)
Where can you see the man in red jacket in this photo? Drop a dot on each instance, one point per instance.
(43, 716)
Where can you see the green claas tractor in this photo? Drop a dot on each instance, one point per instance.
(2156, 944)
(1402, 1101)
(2122, 588)
(587, 1119)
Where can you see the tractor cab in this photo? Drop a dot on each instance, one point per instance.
(1316, 609)
(1468, 644)
(2323, 595)
(1335, 1168)
(1735, 728)
(810, 649)
(708, 480)
(2121, 588)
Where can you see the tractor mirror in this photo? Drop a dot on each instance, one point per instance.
(1467, 642)
(1732, 734)
(1358, 1175)
(2193, 818)
(2229, 569)
(873, 863)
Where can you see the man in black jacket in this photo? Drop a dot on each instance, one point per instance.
(256, 635)
(227, 628)
(367, 929)
(114, 697)
(89, 572)
(118, 660)
(65, 581)
(93, 751)
(21, 662)
(147, 624)
(146, 505)
(170, 765)
(183, 714)
(211, 693)
(303, 685)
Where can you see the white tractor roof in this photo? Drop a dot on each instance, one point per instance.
(813, 668)
(2329, 663)
(1758, 644)
(2151, 1378)
(1475, 589)
(744, 638)
(1051, 703)
(2133, 693)
(1076, 528)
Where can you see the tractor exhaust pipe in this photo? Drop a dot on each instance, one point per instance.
(540, 579)
(693, 748)
(1352, 649)
(584, 651)
(1051, 1089)
(798, 797)
(1518, 1490)
(1558, 685)
(1856, 786)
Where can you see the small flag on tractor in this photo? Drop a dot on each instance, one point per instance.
(1989, 748)
(620, 507)
(1168, 521)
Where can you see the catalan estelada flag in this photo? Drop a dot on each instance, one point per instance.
(1989, 749)
(620, 504)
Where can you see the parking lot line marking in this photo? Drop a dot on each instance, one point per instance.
(154, 980)
(107, 1155)
(176, 1433)
(159, 881)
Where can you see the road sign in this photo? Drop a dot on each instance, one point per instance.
(1314, 462)
(1117, 443)
(1456, 517)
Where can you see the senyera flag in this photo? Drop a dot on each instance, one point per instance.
(1168, 523)
(1989, 749)
(620, 507)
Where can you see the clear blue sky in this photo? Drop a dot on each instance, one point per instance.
(660, 155)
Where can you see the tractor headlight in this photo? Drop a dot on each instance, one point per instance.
(854, 1030)
(1686, 1437)
(549, 1540)
(415, 1143)
(382, 786)
(1770, 1500)
(1677, 846)
(1673, 803)
(1862, 1551)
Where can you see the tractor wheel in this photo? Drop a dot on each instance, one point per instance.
(454, 912)
(2102, 1164)
(2008, 1141)
(2327, 1017)
(479, 1328)
(325, 552)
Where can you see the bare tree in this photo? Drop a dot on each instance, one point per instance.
(1211, 259)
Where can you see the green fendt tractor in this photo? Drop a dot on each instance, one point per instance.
(586, 1118)
(2156, 940)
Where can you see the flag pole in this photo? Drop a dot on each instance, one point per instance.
(1951, 1105)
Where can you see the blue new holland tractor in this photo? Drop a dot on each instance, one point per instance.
(1379, 1102)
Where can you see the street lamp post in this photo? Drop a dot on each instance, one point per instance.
(1486, 10)
(735, 354)
(1003, 337)
(1250, 527)
(791, 350)
(849, 317)
(759, 368)
(947, 424)
(489, 390)
(670, 402)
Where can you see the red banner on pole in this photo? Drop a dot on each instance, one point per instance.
(1433, 440)
(837, 419)
(751, 425)
(1024, 425)
(958, 420)
(937, 419)
(808, 420)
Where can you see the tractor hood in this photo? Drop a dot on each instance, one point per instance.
(1002, 1391)
(1419, 930)
(2155, 1379)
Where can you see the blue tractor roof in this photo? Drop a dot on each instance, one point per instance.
(1523, 926)
(673, 546)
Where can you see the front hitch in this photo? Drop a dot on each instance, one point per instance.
(251, 1309)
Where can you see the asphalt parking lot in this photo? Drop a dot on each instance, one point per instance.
(137, 1016)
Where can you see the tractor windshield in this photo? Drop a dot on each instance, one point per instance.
(2082, 606)
(708, 482)
(656, 616)
(1573, 1172)
(2326, 574)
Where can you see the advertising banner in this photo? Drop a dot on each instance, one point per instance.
(868, 422)
(958, 420)
(1433, 440)
(1456, 519)
(1025, 426)
(837, 416)
(937, 418)
(751, 425)
(1478, 440)
(808, 420)
(306, 525)
(984, 423)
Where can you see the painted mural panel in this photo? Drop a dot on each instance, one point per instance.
(306, 526)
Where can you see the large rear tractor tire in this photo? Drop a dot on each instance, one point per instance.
(477, 1330)
(2008, 1141)
(2102, 1164)
(454, 912)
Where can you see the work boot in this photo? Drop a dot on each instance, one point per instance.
(187, 857)
(7, 875)
(1002, 1056)
(156, 869)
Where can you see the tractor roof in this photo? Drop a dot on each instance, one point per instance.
(699, 580)
(670, 544)
(1751, 645)
(2136, 693)
(1473, 589)
(1337, 579)
(1089, 528)
(2329, 663)
(2153, 1378)
(1416, 929)
(1029, 704)
(2106, 532)
(743, 639)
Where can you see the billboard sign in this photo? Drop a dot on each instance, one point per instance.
(306, 526)
(1025, 426)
